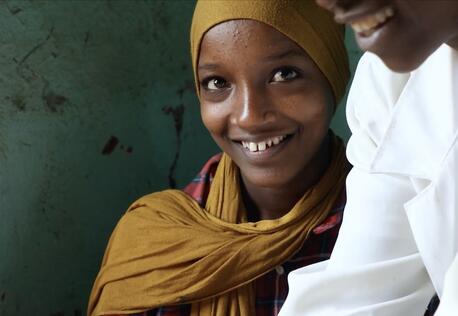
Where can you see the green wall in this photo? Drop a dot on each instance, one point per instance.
(96, 109)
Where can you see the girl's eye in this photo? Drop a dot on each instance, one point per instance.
(214, 83)
(284, 74)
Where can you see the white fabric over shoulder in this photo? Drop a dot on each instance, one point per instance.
(391, 257)
(449, 300)
(375, 289)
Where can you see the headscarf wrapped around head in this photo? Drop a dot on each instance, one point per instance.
(304, 22)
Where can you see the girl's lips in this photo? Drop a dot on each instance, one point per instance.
(368, 19)
(359, 10)
(375, 39)
(264, 144)
(268, 152)
(368, 24)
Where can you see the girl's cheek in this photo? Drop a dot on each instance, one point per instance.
(212, 119)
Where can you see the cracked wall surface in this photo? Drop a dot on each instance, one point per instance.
(97, 107)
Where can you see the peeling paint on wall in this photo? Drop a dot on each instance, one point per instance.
(110, 145)
(18, 101)
(53, 102)
(177, 115)
(35, 48)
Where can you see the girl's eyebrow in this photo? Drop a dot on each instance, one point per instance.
(208, 66)
(288, 53)
(281, 55)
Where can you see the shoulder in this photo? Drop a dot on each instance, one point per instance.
(373, 96)
(199, 187)
(332, 223)
(371, 103)
(403, 116)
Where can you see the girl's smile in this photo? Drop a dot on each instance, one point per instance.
(401, 32)
(266, 149)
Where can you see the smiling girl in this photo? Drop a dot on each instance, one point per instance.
(269, 75)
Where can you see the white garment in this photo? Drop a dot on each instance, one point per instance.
(449, 299)
(402, 196)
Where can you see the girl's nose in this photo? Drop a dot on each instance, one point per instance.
(253, 109)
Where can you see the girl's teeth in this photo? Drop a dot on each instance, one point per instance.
(253, 147)
(357, 28)
(369, 23)
(261, 146)
(381, 17)
(389, 12)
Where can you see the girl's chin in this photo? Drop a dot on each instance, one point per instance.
(403, 62)
(266, 181)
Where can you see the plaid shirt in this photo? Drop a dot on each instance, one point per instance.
(272, 288)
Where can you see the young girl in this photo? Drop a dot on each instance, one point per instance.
(269, 75)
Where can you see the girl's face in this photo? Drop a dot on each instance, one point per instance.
(264, 101)
(401, 32)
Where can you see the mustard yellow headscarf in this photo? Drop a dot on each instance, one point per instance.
(304, 22)
(168, 250)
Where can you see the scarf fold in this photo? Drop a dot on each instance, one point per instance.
(168, 250)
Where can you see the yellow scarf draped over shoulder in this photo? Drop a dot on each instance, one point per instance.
(168, 250)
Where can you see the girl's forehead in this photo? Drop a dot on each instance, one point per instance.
(241, 36)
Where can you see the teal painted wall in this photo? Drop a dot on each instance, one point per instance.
(96, 109)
